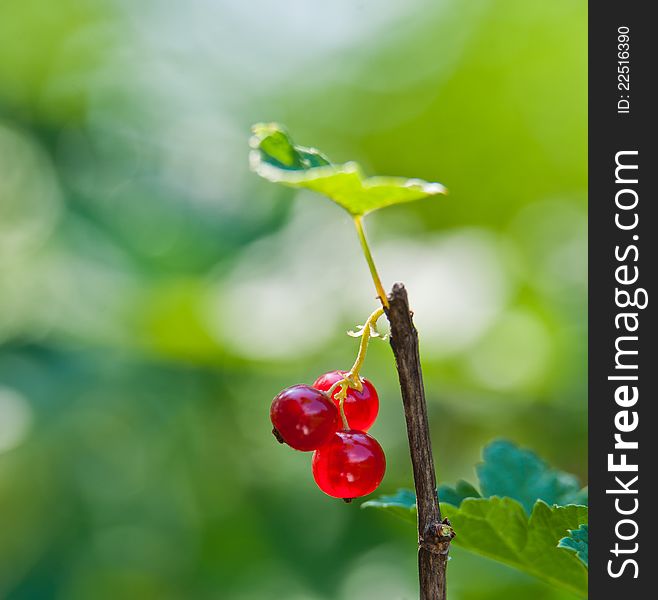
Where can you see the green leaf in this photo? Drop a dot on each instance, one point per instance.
(276, 158)
(455, 495)
(509, 471)
(402, 504)
(500, 529)
(513, 522)
(577, 541)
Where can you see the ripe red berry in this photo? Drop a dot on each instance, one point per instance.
(303, 417)
(361, 408)
(350, 465)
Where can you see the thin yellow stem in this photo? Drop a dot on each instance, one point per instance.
(358, 223)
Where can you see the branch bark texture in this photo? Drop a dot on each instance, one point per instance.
(434, 534)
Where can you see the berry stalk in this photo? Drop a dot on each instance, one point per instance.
(352, 378)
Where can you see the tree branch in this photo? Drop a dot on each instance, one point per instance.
(434, 534)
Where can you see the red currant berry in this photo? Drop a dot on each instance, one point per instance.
(303, 417)
(350, 465)
(361, 408)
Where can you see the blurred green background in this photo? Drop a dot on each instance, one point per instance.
(155, 295)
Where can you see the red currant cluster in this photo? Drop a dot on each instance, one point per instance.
(347, 462)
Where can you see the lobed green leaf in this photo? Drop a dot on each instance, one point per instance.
(500, 529)
(512, 521)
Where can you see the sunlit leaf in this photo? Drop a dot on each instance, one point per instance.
(276, 158)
